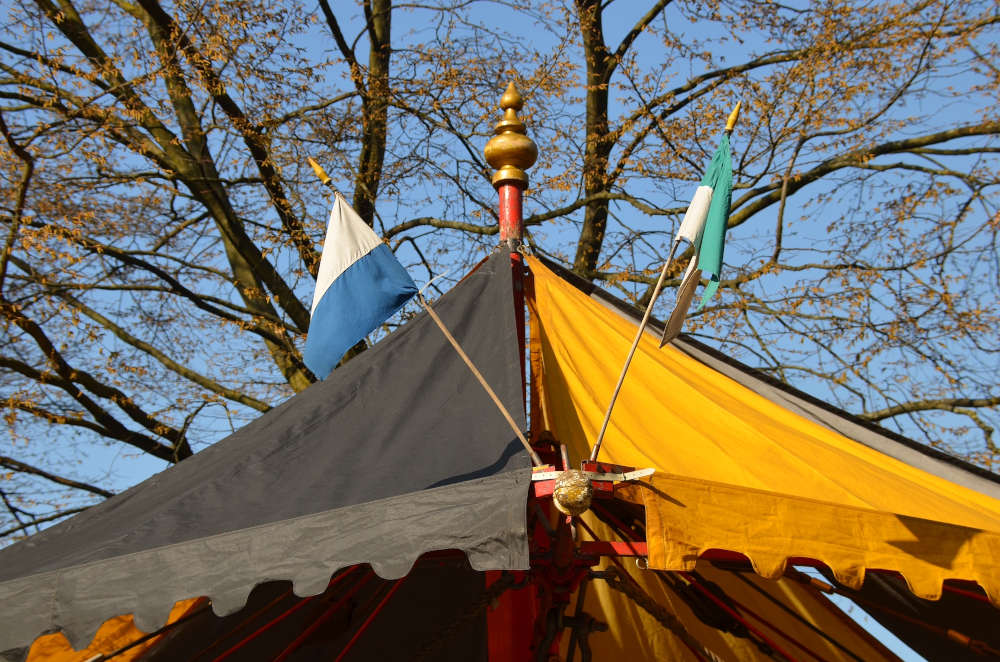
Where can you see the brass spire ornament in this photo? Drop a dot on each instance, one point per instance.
(318, 169)
(510, 151)
(733, 116)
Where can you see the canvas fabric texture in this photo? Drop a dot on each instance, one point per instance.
(923, 625)
(696, 424)
(886, 442)
(400, 452)
(686, 517)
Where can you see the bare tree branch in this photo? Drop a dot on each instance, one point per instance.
(16, 465)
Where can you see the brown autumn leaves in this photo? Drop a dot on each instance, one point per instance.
(160, 228)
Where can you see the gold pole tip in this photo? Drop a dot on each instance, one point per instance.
(733, 116)
(318, 169)
(512, 98)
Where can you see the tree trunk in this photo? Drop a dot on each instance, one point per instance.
(600, 64)
(374, 107)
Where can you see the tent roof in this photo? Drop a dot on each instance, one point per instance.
(742, 470)
(397, 453)
(819, 411)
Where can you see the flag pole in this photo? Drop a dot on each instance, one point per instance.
(535, 460)
(733, 116)
(631, 352)
(730, 125)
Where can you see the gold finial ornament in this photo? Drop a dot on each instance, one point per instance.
(733, 116)
(510, 151)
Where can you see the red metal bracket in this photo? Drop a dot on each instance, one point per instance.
(611, 548)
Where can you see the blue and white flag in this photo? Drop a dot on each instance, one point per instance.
(360, 285)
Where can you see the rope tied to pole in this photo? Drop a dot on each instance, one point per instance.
(535, 460)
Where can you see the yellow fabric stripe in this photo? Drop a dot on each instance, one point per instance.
(682, 418)
(685, 517)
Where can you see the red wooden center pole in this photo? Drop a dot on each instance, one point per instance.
(511, 234)
(511, 214)
(510, 623)
(511, 152)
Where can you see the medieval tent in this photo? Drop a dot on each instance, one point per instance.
(390, 512)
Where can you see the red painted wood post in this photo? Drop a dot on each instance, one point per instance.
(512, 232)
(511, 152)
(510, 622)
(511, 214)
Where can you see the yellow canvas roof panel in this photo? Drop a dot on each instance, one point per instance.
(692, 422)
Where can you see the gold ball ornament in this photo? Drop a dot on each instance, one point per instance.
(573, 492)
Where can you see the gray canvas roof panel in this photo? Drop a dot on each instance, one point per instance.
(397, 453)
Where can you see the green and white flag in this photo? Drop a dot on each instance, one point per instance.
(704, 225)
